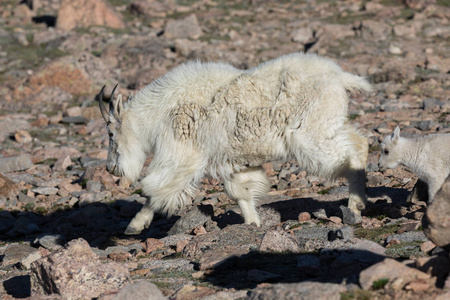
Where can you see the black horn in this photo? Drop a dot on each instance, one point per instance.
(111, 101)
(103, 110)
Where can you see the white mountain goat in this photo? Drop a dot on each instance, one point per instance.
(427, 156)
(213, 119)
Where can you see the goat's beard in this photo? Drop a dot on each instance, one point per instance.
(130, 166)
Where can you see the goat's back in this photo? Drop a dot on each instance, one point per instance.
(193, 81)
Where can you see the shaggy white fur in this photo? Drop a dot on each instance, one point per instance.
(213, 119)
(427, 156)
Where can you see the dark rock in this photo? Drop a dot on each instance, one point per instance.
(349, 217)
(339, 190)
(343, 233)
(315, 237)
(282, 185)
(371, 167)
(431, 103)
(45, 190)
(17, 252)
(93, 186)
(75, 120)
(15, 163)
(320, 214)
(408, 237)
(196, 217)
(241, 236)
(426, 125)
(161, 266)
(50, 241)
(91, 162)
(24, 199)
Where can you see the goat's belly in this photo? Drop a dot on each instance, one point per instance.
(252, 151)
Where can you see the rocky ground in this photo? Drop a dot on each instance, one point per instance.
(63, 215)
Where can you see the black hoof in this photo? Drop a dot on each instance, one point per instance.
(132, 231)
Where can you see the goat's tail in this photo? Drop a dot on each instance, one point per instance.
(355, 84)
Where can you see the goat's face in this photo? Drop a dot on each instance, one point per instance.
(114, 119)
(390, 151)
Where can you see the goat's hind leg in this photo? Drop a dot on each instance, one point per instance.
(245, 187)
(356, 173)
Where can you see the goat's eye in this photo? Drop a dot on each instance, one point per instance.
(111, 134)
(386, 152)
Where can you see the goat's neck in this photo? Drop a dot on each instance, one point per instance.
(413, 155)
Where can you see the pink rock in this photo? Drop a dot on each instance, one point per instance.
(181, 244)
(392, 270)
(199, 230)
(62, 163)
(279, 241)
(304, 216)
(23, 136)
(418, 285)
(75, 272)
(427, 246)
(85, 13)
(66, 185)
(139, 290)
(335, 219)
(184, 28)
(46, 153)
(8, 188)
(152, 244)
(213, 259)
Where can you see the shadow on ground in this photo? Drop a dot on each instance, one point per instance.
(333, 266)
(98, 223)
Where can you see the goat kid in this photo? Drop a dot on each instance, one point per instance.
(427, 156)
(213, 119)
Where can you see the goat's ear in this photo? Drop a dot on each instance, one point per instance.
(396, 134)
(103, 110)
(116, 105)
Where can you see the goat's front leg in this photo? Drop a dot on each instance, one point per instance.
(434, 185)
(168, 190)
(142, 220)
